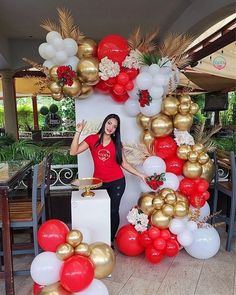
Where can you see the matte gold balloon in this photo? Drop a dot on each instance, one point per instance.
(86, 91)
(183, 150)
(87, 48)
(193, 156)
(54, 87)
(203, 158)
(161, 125)
(183, 122)
(103, 259)
(54, 289)
(170, 198)
(165, 191)
(180, 209)
(160, 220)
(83, 249)
(74, 237)
(73, 90)
(192, 170)
(181, 198)
(168, 210)
(185, 98)
(53, 73)
(158, 203)
(64, 251)
(57, 96)
(170, 105)
(208, 171)
(194, 108)
(145, 203)
(184, 108)
(198, 147)
(147, 139)
(143, 121)
(88, 69)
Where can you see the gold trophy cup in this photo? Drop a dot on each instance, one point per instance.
(87, 184)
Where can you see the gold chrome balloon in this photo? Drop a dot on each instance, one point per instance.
(183, 122)
(88, 69)
(145, 203)
(184, 108)
(194, 108)
(170, 105)
(57, 96)
(203, 158)
(180, 209)
(54, 289)
(147, 139)
(185, 98)
(86, 91)
(86, 48)
(73, 90)
(160, 220)
(181, 198)
(198, 147)
(83, 249)
(74, 237)
(183, 150)
(208, 171)
(54, 87)
(103, 259)
(170, 198)
(143, 121)
(192, 170)
(158, 203)
(165, 191)
(167, 210)
(64, 251)
(53, 73)
(161, 125)
(193, 156)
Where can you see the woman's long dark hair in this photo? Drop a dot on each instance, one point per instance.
(115, 136)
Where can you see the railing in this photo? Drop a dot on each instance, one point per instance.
(62, 175)
(57, 134)
(25, 135)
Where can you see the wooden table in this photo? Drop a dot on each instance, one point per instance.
(11, 174)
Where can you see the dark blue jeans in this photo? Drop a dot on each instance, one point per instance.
(115, 190)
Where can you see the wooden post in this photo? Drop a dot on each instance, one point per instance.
(35, 112)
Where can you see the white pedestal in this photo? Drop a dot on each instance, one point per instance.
(91, 215)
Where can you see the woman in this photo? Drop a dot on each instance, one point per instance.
(108, 157)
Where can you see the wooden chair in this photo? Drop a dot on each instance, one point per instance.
(226, 160)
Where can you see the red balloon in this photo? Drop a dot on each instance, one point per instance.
(174, 165)
(51, 234)
(122, 78)
(153, 255)
(77, 273)
(197, 201)
(102, 87)
(119, 89)
(165, 147)
(172, 248)
(127, 240)
(133, 73)
(144, 239)
(187, 186)
(119, 98)
(165, 234)
(154, 232)
(110, 82)
(159, 244)
(206, 195)
(129, 86)
(114, 47)
(37, 288)
(202, 185)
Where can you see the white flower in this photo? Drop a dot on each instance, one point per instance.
(183, 137)
(132, 60)
(108, 68)
(138, 219)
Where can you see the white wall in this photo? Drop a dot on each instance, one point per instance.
(94, 109)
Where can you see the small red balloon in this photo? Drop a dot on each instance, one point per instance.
(172, 248)
(153, 255)
(119, 89)
(187, 186)
(133, 73)
(37, 288)
(165, 147)
(174, 165)
(197, 200)
(202, 185)
(154, 232)
(119, 98)
(159, 244)
(144, 239)
(110, 82)
(129, 86)
(102, 87)
(165, 234)
(122, 78)
(206, 195)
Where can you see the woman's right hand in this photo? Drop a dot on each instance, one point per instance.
(80, 126)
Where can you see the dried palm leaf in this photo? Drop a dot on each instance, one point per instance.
(198, 132)
(136, 153)
(208, 135)
(66, 22)
(34, 64)
(49, 26)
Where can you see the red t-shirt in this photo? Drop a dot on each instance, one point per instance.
(104, 158)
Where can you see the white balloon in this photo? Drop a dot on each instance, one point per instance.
(156, 92)
(191, 225)
(46, 51)
(153, 69)
(206, 243)
(42, 50)
(177, 226)
(153, 109)
(131, 106)
(180, 177)
(165, 70)
(165, 61)
(70, 46)
(96, 287)
(153, 165)
(185, 238)
(144, 80)
(134, 93)
(57, 44)
(45, 268)
(52, 35)
(204, 211)
(160, 80)
(48, 64)
(60, 57)
(73, 62)
(171, 181)
(144, 69)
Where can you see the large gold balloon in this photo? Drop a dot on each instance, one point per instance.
(184, 108)
(192, 170)
(198, 147)
(180, 209)
(203, 158)
(160, 220)
(194, 108)
(147, 139)
(208, 171)
(74, 237)
(54, 87)
(57, 96)
(73, 90)
(103, 259)
(183, 151)
(83, 249)
(143, 121)
(161, 125)
(64, 251)
(170, 105)
(54, 289)
(87, 48)
(145, 203)
(183, 122)
(86, 91)
(53, 73)
(158, 203)
(170, 198)
(88, 69)
(168, 210)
